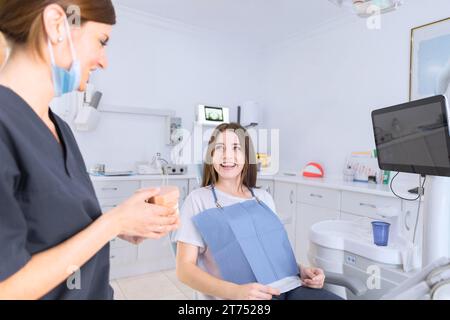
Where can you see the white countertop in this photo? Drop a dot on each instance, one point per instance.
(336, 183)
(330, 183)
(142, 177)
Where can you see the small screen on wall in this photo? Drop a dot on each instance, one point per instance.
(214, 114)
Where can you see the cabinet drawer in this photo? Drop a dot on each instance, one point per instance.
(155, 250)
(307, 216)
(111, 203)
(120, 256)
(321, 197)
(285, 201)
(290, 229)
(119, 243)
(115, 189)
(367, 205)
(266, 185)
(194, 184)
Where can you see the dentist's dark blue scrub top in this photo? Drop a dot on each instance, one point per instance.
(46, 196)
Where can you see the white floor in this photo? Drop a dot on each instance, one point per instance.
(153, 286)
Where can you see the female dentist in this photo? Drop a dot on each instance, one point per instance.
(51, 224)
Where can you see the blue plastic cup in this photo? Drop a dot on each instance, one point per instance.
(380, 233)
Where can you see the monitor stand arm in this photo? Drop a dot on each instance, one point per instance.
(436, 220)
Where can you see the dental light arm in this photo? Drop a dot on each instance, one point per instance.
(367, 8)
(443, 81)
(364, 8)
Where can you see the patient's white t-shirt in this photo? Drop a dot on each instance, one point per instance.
(202, 199)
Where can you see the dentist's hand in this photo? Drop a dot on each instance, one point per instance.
(256, 291)
(138, 240)
(312, 277)
(137, 218)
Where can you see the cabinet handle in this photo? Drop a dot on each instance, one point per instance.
(287, 221)
(184, 193)
(112, 257)
(269, 190)
(367, 205)
(110, 188)
(316, 195)
(291, 197)
(407, 218)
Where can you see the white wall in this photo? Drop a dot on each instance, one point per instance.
(161, 64)
(320, 89)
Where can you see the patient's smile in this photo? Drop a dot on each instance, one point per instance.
(228, 166)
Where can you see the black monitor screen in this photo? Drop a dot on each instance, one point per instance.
(414, 137)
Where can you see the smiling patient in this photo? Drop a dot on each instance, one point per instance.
(231, 243)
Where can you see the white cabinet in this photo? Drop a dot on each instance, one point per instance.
(285, 203)
(285, 200)
(290, 229)
(121, 256)
(194, 184)
(367, 205)
(183, 185)
(156, 255)
(267, 185)
(299, 205)
(119, 243)
(320, 197)
(350, 217)
(110, 194)
(307, 215)
(115, 189)
(314, 205)
(412, 225)
(150, 256)
(161, 253)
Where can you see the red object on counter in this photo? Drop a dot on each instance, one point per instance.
(313, 170)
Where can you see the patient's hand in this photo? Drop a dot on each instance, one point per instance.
(255, 291)
(312, 277)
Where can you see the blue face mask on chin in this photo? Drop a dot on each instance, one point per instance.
(65, 81)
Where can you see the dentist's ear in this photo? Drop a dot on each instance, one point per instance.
(54, 23)
(3, 50)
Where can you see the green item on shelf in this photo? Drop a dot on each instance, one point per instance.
(386, 176)
(375, 153)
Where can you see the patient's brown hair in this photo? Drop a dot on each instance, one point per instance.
(249, 171)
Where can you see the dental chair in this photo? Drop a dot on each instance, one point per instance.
(354, 267)
(345, 249)
(432, 283)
